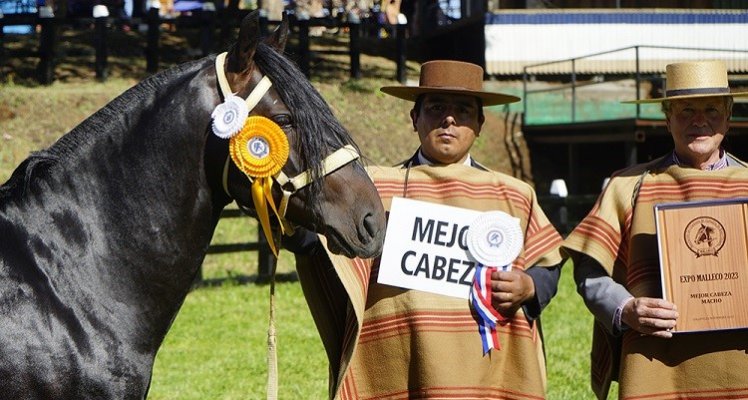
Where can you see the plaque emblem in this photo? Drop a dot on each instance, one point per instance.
(704, 236)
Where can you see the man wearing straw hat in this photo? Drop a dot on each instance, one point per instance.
(615, 253)
(385, 341)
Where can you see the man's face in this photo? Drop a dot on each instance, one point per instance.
(698, 127)
(447, 126)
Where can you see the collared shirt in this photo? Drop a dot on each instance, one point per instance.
(422, 160)
(719, 164)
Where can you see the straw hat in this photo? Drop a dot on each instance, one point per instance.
(694, 79)
(453, 77)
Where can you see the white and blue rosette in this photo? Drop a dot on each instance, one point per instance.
(494, 240)
(229, 117)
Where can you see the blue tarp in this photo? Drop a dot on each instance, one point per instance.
(15, 7)
(187, 5)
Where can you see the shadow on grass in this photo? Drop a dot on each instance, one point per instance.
(240, 279)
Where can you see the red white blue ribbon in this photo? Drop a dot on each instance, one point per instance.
(480, 298)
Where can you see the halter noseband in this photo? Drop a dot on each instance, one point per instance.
(288, 186)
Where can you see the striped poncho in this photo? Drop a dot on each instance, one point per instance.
(387, 342)
(622, 238)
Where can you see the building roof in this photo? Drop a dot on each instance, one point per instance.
(536, 39)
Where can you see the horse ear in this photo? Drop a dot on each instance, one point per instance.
(279, 37)
(240, 56)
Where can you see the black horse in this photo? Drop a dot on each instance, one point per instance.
(101, 234)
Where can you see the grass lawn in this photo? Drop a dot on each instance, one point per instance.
(217, 347)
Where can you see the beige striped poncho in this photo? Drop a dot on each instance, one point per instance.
(623, 240)
(386, 342)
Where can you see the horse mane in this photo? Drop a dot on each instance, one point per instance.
(108, 119)
(318, 129)
(320, 132)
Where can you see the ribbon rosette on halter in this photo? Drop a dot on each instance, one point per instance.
(494, 240)
(229, 117)
(257, 145)
(260, 150)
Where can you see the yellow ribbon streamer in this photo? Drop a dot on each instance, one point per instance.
(260, 150)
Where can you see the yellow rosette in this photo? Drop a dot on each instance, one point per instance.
(260, 150)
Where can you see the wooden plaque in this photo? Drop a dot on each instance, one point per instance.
(704, 262)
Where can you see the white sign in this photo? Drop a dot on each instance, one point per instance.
(425, 248)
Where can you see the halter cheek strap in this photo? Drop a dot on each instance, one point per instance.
(338, 159)
(252, 100)
(254, 97)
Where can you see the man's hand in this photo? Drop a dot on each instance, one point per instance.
(509, 290)
(650, 316)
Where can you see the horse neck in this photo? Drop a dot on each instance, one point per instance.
(127, 209)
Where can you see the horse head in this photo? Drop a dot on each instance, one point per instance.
(322, 186)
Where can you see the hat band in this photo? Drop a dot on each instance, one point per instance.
(686, 92)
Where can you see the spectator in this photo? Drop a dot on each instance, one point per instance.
(616, 262)
(385, 341)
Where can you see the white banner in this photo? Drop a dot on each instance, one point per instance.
(425, 248)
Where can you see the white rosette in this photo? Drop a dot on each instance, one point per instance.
(495, 239)
(229, 117)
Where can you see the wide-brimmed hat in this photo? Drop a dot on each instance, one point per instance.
(447, 76)
(694, 79)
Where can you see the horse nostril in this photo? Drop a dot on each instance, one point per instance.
(370, 228)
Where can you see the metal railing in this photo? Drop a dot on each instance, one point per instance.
(653, 71)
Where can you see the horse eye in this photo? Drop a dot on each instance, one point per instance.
(283, 120)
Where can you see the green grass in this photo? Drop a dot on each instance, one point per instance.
(567, 328)
(216, 348)
(238, 264)
(32, 118)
